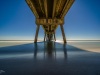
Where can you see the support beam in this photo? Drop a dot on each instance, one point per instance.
(36, 35)
(58, 6)
(54, 37)
(54, 6)
(63, 34)
(66, 8)
(32, 7)
(40, 3)
(45, 7)
(44, 36)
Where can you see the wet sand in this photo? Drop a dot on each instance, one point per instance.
(54, 58)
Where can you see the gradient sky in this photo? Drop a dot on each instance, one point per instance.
(17, 22)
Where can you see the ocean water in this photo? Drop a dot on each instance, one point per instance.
(49, 58)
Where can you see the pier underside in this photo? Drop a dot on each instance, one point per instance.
(49, 14)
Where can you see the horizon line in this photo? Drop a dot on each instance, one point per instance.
(42, 40)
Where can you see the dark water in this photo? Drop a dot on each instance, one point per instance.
(48, 59)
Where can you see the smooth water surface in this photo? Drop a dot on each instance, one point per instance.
(49, 58)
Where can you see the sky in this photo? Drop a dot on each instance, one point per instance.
(17, 22)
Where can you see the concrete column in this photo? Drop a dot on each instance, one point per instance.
(54, 37)
(63, 34)
(44, 36)
(36, 35)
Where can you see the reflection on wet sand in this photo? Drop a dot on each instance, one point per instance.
(50, 50)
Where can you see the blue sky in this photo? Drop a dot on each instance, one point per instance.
(82, 22)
